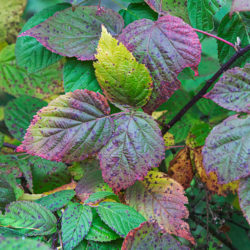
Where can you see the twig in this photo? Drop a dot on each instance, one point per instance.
(212, 231)
(216, 37)
(208, 84)
(8, 145)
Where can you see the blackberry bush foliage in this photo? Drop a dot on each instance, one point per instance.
(124, 124)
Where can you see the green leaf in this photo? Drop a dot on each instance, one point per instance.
(18, 114)
(122, 78)
(160, 198)
(238, 22)
(232, 91)
(150, 236)
(1, 140)
(81, 32)
(9, 232)
(244, 197)
(119, 217)
(136, 146)
(47, 175)
(79, 75)
(10, 17)
(29, 217)
(7, 193)
(173, 7)
(91, 181)
(71, 128)
(56, 200)
(98, 196)
(76, 222)
(201, 13)
(92, 245)
(136, 11)
(9, 165)
(226, 149)
(16, 81)
(99, 231)
(30, 54)
(10, 243)
(197, 135)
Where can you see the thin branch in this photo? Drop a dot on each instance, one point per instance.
(216, 37)
(203, 91)
(8, 145)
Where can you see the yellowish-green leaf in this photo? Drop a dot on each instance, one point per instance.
(10, 17)
(123, 80)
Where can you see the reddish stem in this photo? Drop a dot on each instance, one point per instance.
(216, 37)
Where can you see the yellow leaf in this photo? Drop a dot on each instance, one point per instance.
(168, 139)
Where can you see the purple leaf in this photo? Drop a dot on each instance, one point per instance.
(226, 151)
(75, 33)
(244, 197)
(232, 91)
(71, 128)
(135, 147)
(166, 47)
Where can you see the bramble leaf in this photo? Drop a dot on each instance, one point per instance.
(29, 217)
(149, 236)
(119, 217)
(240, 5)
(122, 78)
(57, 200)
(79, 75)
(99, 196)
(10, 243)
(201, 13)
(76, 222)
(135, 147)
(99, 231)
(166, 47)
(226, 151)
(75, 33)
(16, 81)
(173, 7)
(238, 22)
(91, 181)
(181, 169)
(161, 199)
(136, 11)
(71, 128)
(1, 140)
(7, 193)
(30, 54)
(10, 18)
(93, 245)
(232, 91)
(211, 179)
(18, 114)
(244, 197)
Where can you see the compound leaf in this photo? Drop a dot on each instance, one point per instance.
(79, 75)
(75, 33)
(30, 54)
(149, 236)
(226, 149)
(135, 147)
(244, 197)
(71, 128)
(232, 91)
(161, 199)
(16, 81)
(123, 79)
(18, 114)
(76, 222)
(166, 47)
(119, 217)
(57, 200)
(10, 243)
(30, 217)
